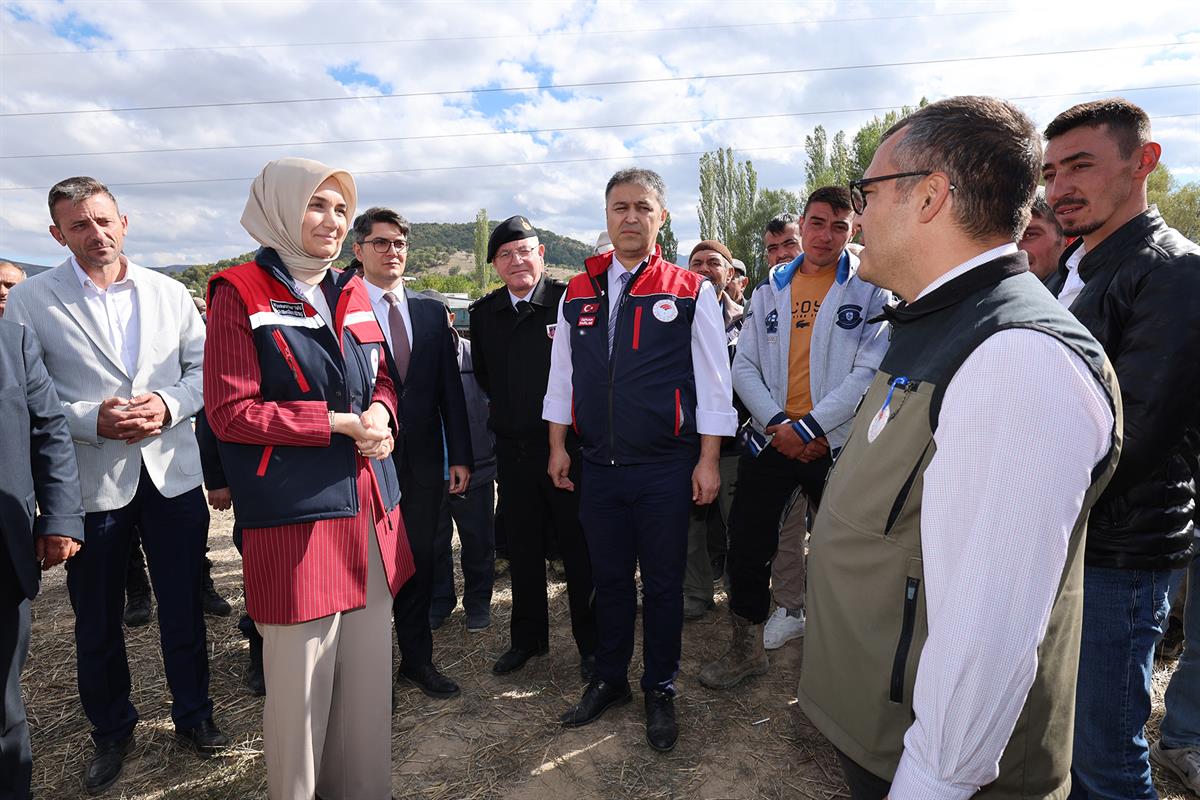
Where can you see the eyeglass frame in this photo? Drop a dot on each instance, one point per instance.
(400, 245)
(856, 186)
(508, 256)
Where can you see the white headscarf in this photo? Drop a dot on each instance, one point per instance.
(278, 200)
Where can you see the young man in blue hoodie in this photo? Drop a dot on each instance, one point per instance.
(807, 353)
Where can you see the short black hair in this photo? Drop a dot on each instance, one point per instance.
(645, 178)
(779, 223)
(365, 221)
(1128, 123)
(77, 190)
(838, 198)
(989, 149)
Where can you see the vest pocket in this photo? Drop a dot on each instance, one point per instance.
(678, 411)
(911, 595)
(905, 490)
(290, 358)
(637, 327)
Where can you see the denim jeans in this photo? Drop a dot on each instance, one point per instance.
(1181, 724)
(1124, 611)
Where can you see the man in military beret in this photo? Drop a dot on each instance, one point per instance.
(511, 331)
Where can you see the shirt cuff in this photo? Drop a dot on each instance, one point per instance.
(912, 782)
(715, 423)
(808, 428)
(556, 411)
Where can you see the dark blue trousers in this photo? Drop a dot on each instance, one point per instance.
(472, 513)
(638, 515)
(174, 531)
(16, 757)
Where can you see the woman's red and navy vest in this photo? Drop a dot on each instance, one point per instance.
(636, 406)
(300, 358)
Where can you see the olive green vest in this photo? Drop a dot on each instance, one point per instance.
(866, 594)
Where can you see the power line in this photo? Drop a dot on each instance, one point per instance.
(459, 167)
(589, 84)
(493, 36)
(528, 131)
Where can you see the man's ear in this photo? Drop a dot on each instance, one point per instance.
(357, 249)
(57, 234)
(934, 192)
(1147, 159)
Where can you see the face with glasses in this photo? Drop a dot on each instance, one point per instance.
(519, 264)
(383, 255)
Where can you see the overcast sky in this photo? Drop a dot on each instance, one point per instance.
(831, 59)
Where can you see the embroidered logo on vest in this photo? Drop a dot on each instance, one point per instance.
(849, 317)
(665, 310)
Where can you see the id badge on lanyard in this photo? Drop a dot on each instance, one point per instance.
(880, 420)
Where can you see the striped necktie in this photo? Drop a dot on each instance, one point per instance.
(615, 308)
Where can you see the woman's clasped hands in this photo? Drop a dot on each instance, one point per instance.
(370, 431)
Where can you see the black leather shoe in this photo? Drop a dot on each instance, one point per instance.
(105, 766)
(137, 610)
(661, 729)
(587, 666)
(256, 681)
(598, 697)
(430, 681)
(206, 738)
(516, 657)
(214, 604)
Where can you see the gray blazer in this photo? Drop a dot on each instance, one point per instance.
(86, 370)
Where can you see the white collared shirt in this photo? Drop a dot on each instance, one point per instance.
(1023, 422)
(316, 298)
(382, 307)
(1073, 285)
(514, 299)
(116, 309)
(1006, 249)
(714, 413)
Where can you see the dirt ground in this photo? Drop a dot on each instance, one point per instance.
(498, 739)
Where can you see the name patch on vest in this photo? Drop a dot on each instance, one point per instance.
(665, 310)
(586, 322)
(285, 309)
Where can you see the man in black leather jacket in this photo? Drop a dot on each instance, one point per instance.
(1135, 283)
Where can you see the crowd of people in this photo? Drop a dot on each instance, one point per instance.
(952, 440)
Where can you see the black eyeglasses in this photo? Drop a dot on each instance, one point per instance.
(384, 245)
(858, 198)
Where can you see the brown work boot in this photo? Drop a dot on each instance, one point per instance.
(745, 657)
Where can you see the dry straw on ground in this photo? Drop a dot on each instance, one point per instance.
(499, 739)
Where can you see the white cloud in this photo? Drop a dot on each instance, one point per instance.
(190, 222)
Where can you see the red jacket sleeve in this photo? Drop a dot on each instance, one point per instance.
(232, 386)
(385, 393)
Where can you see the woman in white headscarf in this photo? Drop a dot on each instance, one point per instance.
(297, 391)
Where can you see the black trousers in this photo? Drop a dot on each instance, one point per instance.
(532, 506)
(16, 757)
(764, 484)
(410, 610)
(863, 785)
(174, 531)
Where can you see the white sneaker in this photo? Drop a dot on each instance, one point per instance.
(781, 629)
(1184, 762)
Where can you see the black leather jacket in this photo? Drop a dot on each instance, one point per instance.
(1141, 300)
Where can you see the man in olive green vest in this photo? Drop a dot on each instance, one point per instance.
(946, 566)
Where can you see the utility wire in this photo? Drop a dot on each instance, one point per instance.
(458, 167)
(589, 84)
(528, 131)
(493, 36)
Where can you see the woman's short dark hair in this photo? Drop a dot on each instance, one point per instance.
(991, 151)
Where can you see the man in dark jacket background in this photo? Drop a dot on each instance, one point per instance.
(1134, 283)
(37, 461)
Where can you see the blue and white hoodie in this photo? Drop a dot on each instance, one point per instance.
(845, 351)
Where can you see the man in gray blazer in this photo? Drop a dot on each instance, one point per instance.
(37, 464)
(124, 347)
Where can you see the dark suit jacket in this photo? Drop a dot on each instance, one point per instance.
(37, 462)
(431, 397)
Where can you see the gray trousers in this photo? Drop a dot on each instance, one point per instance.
(697, 576)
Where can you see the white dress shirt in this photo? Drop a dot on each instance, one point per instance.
(316, 298)
(1023, 423)
(381, 307)
(116, 308)
(1073, 285)
(715, 415)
